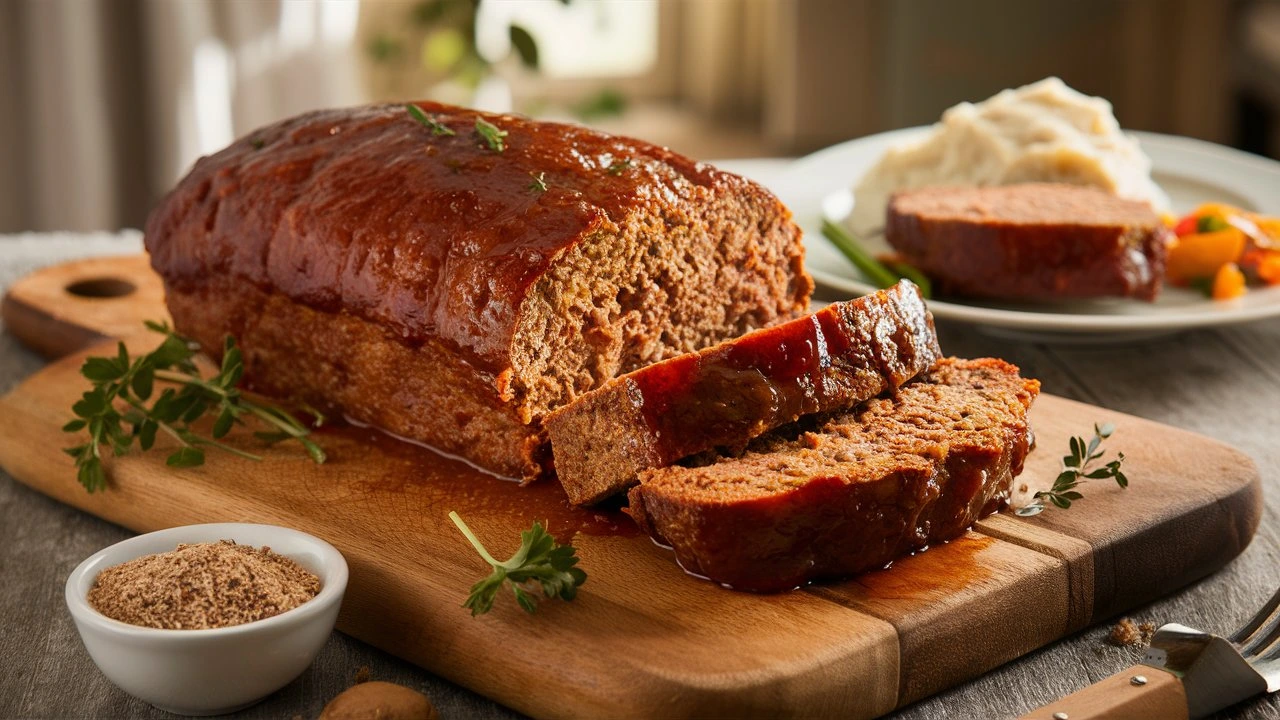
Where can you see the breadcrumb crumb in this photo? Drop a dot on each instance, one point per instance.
(1127, 633)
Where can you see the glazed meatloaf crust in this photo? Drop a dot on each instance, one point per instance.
(1032, 241)
(452, 288)
(862, 488)
(726, 395)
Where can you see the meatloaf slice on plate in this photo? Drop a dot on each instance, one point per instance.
(1032, 241)
(409, 271)
(726, 395)
(862, 488)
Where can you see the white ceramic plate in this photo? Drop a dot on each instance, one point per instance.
(1191, 171)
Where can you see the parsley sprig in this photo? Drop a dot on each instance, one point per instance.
(116, 413)
(491, 134)
(1075, 470)
(435, 126)
(539, 184)
(538, 562)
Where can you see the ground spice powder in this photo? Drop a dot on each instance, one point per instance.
(201, 586)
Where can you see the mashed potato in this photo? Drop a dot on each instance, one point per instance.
(1044, 132)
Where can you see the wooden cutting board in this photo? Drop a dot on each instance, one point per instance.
(643, 638)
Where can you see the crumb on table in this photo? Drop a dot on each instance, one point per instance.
(1127, 633)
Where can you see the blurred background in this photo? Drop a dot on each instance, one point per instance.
(106, 103)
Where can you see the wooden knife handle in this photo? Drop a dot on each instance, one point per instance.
(1137, 693)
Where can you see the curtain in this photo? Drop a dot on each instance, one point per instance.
(107, 103)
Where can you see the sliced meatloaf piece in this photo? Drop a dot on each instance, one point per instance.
(410, 273)
(1033, 241)
(864, 487)
(728, 394)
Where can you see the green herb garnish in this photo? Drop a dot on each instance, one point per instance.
(880, 275)
(430, 123)
(539, 184)
(538, 562)
(257, 143)
(491, 134)
(116, 413)
(1075, 469)
(1211, 223)
(618, 166)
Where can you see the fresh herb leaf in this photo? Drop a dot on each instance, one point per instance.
(491, 134)
(539, 562)
(526, 47)
(186, 457)
(1211, 223)
(879, 275)
(430, 123)
(114, 411)
(539, 184)
(1076, 470)
(258, 143)
(618, 166)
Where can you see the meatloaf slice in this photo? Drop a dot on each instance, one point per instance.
(1032, 241)
(864, 487)
(728, 394)
(410, 273)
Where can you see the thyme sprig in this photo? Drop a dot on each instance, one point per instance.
(435, 126)
(1075, 470)
(539, 183)
(539, 562)
(116, 413)
(491, 134)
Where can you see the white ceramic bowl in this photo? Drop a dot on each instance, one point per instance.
(220, 670)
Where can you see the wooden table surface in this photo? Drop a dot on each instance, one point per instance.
(1222, 383)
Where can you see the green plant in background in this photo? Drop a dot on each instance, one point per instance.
(448, 50)
(604, 103)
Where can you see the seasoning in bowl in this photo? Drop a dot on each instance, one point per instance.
(200, 586)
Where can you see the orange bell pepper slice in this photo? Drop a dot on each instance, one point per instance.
(1201, 254)
(1220, 210)
(1228, 282)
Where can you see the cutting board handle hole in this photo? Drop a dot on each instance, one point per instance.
(103, 287)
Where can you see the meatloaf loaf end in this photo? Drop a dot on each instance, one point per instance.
(1032, 241)
(863, 488)
(726, 395)
(452, 288)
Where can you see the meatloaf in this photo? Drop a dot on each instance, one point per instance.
(1032, 241)
(854, 492)
(452, 284)
(726, 395)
